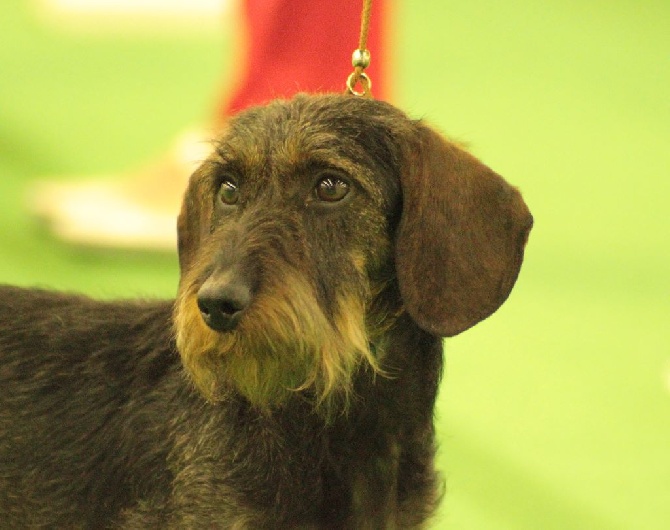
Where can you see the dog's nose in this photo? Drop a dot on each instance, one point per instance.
(221, 303)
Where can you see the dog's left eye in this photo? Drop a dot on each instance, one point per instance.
(331, 189)
(228, 192)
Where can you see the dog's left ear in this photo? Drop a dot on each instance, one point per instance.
(461, 237)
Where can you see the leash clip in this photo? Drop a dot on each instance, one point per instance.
(360, 60)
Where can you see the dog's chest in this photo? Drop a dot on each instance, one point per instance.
(288, 469)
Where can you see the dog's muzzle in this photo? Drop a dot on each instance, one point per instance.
(222, 300)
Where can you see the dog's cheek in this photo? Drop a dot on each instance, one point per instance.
(335, 258)
(372, 242)
(195, 342)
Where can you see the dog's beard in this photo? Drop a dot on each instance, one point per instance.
(283, 346)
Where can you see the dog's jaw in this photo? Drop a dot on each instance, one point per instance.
(293, 351)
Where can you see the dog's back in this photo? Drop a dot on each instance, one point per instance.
(74, 410)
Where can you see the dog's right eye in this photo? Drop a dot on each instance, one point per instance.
(228, 192)
(331, 188)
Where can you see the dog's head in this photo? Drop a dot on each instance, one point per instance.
(313, 225)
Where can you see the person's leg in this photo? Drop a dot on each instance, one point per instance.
(305, 46)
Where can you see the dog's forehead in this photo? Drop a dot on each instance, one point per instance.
(314, 128)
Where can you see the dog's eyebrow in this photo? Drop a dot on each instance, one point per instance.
(225, 163)
(323, 159)
(326, 159)
(226, 155)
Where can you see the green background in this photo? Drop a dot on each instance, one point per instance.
(555, 412)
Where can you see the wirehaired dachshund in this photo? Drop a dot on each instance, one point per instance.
(326, 247)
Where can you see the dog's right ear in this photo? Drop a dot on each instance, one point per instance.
(461, 236)
(194, 218)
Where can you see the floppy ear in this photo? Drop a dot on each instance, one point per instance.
(194, 218)
(461, 236)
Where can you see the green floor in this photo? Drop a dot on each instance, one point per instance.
(555, 413)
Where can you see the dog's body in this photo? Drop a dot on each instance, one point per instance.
(107, 431)
(325, 247)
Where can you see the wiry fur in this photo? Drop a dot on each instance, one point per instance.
(316, 409)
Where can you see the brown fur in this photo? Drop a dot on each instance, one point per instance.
(295, 385)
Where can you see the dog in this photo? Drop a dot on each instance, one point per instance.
(325, 248)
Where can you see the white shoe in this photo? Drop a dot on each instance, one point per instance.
(130, 212)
